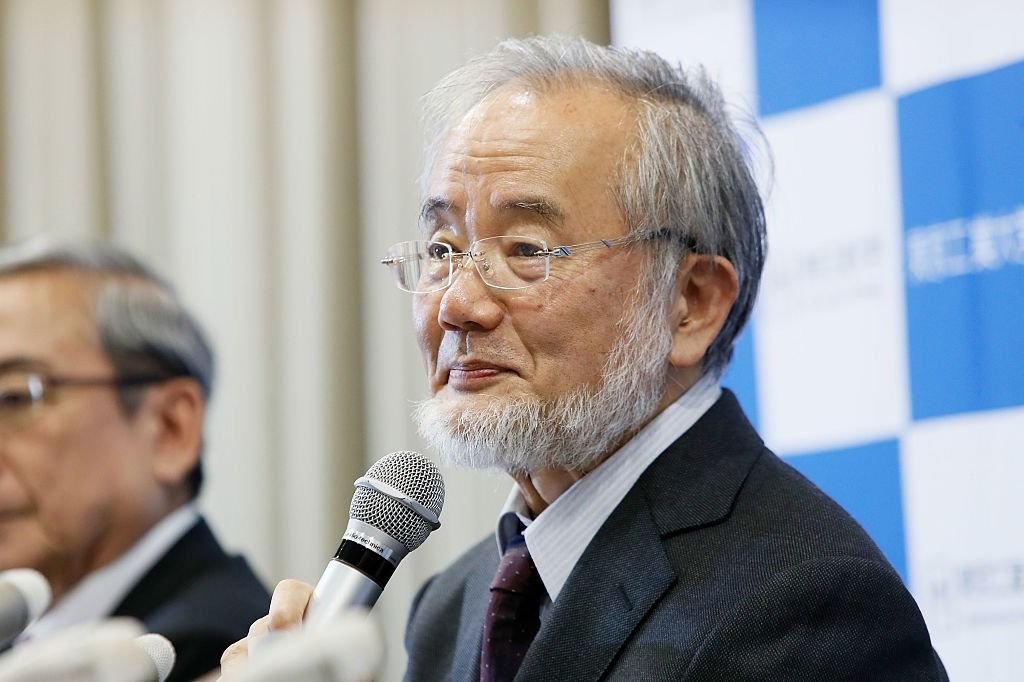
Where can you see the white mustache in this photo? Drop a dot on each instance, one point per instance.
(460, 346)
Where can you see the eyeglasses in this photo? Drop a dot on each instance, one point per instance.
(21, 391)
(506, 262)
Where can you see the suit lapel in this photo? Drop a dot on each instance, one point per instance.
(696, 480)
(196, 551)
(625, 571)
(618, 580)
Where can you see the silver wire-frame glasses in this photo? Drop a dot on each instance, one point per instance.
(505, 262)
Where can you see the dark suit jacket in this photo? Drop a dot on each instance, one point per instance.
(721, 563)
(199, 598)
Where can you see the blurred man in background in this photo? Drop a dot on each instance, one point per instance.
(104, 382)
(592, 244)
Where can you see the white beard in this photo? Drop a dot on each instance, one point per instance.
(573, 432)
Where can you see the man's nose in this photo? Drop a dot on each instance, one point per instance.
(468, 303)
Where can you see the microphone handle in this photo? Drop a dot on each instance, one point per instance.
(341, 587)
(353, 579)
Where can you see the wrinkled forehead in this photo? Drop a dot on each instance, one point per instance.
(567, 143)
(582, 115)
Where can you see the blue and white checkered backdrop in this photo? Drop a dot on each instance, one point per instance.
(886, 355)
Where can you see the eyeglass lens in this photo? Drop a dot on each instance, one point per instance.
(19, 390)
(506, 262)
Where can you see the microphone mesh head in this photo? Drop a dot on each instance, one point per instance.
(32, 586)
(414, 475)
(160, 651)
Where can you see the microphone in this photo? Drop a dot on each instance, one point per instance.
(161, 653)
(395, 507)
(24, 595)
(113, 650)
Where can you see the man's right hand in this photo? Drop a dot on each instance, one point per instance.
(287, 607)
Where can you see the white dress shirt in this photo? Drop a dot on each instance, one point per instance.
(96, 596)
(561, 533)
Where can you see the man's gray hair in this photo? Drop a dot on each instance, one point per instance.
(685, 171)
(143, 328)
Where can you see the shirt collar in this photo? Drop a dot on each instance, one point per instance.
(514, 515)
(98, 594)
(559, 535)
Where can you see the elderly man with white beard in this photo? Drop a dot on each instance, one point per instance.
(591, 244)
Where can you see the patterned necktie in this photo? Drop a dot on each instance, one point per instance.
(513, 613)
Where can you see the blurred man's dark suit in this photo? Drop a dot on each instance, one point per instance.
(722, 563)
(200, 598)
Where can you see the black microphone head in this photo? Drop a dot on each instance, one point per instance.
(417, 478)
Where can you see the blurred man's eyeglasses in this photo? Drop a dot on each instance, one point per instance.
(23, 390)
(506, 262)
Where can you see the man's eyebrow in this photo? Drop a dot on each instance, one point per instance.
(540, 207)
(432, 206)
(543, 208)
(22, 362)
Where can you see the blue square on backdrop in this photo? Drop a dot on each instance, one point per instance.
(865, 480)
(741, 375)
(962, 176)
(809, 51)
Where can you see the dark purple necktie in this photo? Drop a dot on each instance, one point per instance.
(513, 613)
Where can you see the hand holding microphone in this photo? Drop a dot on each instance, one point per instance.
(349, 648)
(395, 507)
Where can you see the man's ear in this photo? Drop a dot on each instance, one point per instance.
(706, 288)
(176, 408)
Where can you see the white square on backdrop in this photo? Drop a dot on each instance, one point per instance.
(717, 34)
(925, 42)
(830, 335)
(962, 486)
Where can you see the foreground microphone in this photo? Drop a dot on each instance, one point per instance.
(24, 595)
(113, 650)
(161, 654)
(395, 507)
